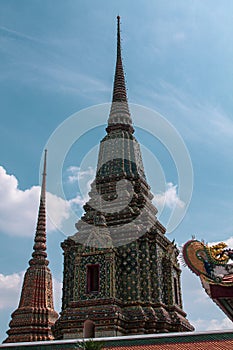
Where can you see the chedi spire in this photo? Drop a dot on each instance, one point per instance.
(119, 117)
(39, 254)
(119, 88)
(35, 315)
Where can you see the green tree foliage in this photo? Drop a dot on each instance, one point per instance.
(91, 345)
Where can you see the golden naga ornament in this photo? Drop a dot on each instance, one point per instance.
(210, 263)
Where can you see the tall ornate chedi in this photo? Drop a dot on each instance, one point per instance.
(35, 315)
(121, 273)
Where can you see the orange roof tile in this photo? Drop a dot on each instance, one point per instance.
(204, 345)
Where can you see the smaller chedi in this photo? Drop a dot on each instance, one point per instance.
(35, 315)
(212, 265)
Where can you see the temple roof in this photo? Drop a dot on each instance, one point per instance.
(211, 264)
(221, 340)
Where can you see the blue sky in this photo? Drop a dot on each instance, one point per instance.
(58, 58)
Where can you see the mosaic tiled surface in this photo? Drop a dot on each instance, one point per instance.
(139, 286)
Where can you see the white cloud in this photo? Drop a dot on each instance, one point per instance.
(78, 201)
(168, 198)
(10, 291)
(201, 311)
(65, 79)
(57, 294)
(212, 324)
(10, 288)
(77, 174)
(228, 241)
(58, 211)
(18, 35)
(19, 209)
(84, 178)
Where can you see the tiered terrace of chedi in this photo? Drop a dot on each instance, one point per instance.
(121, 272)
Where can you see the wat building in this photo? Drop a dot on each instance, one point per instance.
(121, 272)
(35, 315)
